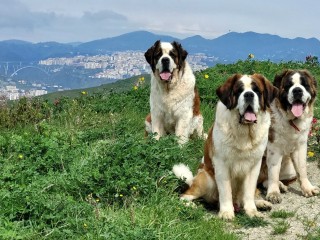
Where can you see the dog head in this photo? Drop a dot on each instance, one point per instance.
(297, 90)
(165, 59)
(249, 94)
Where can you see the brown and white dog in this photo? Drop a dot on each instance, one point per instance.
(174, 100)
(292, 113)
(234, 147)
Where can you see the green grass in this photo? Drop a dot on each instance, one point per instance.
(242, 220)
(280, 227)
(77, 166)
(282, 214)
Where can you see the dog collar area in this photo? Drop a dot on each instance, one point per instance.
(293, 125)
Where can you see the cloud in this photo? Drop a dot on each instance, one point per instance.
(16, 15)
(19, 22)
(83, 20)
(103, 15)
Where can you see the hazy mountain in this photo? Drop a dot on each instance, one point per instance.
(140, 40)
(227, 48)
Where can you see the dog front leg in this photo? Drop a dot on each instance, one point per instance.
(249, 188)
(182, 130)
(274, 158)
(300, 164)
(225, 191)
(157, 127)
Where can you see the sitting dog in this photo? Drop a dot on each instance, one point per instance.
(234, 147)
(174, 99)
(292, 113)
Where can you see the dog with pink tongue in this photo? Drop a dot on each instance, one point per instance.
(286, 154)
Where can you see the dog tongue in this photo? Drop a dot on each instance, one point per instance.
(250, 116)
(165, 76)
(297, 109)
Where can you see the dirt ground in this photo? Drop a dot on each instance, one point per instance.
(306, 219)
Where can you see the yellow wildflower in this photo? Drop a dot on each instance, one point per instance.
(142, 79)
(85, 225)
(20, 156)
(120, 195)
(206, 76)
(251, 56)
(135, 88)
(310, 154)
(84, 93)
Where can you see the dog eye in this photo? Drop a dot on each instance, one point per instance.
(287, 86)
(256, 89)
(158, 54)
(172, 54)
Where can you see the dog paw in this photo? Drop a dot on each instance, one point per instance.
(274, 197)
(263, 205)
(226, 215)
(253, 213)
(310, 191)
(283, 188)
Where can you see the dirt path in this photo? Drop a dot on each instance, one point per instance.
(306, 219)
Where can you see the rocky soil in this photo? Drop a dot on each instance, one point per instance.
(305, 224)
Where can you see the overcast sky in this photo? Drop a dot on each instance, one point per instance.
(86, 20)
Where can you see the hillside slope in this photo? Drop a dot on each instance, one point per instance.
(80, 167)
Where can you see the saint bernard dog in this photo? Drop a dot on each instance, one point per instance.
(234, 148)
(292, 113)
(174, 99)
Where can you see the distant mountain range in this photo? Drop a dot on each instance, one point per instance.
(226, 48)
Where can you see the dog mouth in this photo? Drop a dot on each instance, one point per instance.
(249, 116)
(297, 108)
(165, 76)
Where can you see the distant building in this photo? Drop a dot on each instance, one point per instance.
(37, 92)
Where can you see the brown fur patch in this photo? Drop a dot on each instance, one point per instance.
(267, 90)
(199, 186)
(263, 176)
(208, 153)
(196, 103)
(147, 119)
(271, 135)
(226, 91)
(288, 181)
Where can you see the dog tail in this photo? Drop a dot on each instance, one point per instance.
(183, 172)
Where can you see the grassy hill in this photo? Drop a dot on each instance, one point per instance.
(118, 86)
(77, 166)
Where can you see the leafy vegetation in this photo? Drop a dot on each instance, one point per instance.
(80, 168)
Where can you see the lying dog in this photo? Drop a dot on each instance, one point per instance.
(234, 147)
(174, 100)
(292, 113)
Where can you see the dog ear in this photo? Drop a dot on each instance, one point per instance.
(270, 92)
(282, 95)
(278, 78)
(226, 94)
(182, 53)
(313, 84)
(149, 54)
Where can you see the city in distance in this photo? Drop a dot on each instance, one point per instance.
(29, 69)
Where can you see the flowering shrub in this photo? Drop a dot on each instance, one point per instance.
(312, 60)
(139, 83)
(314, 139)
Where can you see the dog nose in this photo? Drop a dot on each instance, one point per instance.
(297, 92)
(165, 60)
(248, 96)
